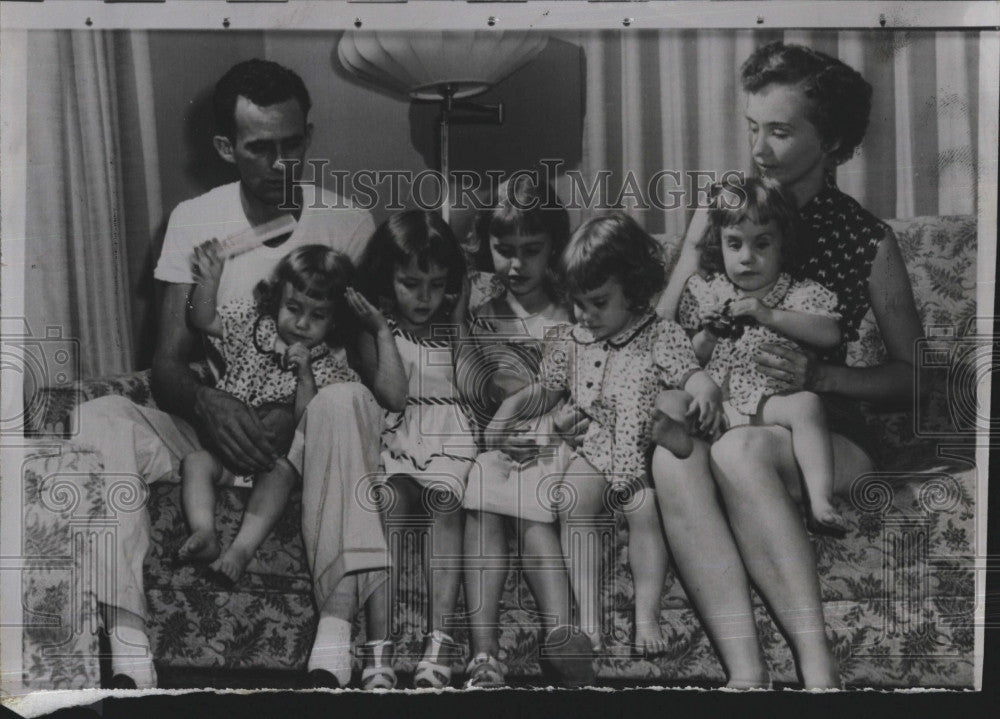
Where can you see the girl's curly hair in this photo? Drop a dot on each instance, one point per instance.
(841, 98)
(614, 246)
(321, 274)
(407, 236)
(760, 200)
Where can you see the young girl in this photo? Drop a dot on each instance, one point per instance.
(750, 300)
(612, 364)
(280, 348)
(521, 236)
(412, 263)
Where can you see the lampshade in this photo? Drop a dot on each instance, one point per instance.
(422, 64)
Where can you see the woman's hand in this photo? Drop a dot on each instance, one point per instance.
(788, 367)
(206, 265)
(371, 319)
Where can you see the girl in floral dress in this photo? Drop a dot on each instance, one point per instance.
(280, 347)
(611, 365)
(750, 300)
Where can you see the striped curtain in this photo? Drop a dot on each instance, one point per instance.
(671, 100)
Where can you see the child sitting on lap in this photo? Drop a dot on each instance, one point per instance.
(280, 348)
(749, 300)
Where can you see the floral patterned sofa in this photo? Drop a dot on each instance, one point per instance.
(898, 591)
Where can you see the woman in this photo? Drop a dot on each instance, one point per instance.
(806, 114)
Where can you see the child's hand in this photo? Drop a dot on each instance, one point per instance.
(705, 409)
(371, 318)
(206, 264)
(751, 307)
(297, 358)
(461, 309)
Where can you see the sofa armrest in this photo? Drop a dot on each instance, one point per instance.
(51, 409)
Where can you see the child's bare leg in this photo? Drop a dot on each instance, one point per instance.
(446, 549)
(268, 500)
(400, 494)
(540, 551)
(199, 473)
(581, 541)
(486, 564)
(568, 651)
(647, 556)
(803, 414)
(671, 428)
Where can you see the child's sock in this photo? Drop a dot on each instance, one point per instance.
(331, 649)
(131, 655)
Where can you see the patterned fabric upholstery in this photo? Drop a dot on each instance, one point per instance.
(898, 591)
(63, 506)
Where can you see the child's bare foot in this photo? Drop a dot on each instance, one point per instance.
(649, 640)
(232, 563)
(201, 546)
(826, 520)
(671, 434)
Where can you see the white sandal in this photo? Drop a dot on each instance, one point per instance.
(377, 671)
(434, 669)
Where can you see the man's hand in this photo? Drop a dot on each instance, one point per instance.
(278, 419)
(240, 438)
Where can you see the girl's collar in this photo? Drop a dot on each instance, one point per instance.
(410, 337)
(267, 341)
(518, 310)
(583, 336)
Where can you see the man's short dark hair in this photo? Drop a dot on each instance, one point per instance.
(263, 83)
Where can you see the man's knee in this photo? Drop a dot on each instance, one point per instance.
(336, 397)
(101, 410)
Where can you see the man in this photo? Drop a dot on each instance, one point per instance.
(261, 112)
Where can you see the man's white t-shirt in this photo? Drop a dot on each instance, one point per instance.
(219, 213)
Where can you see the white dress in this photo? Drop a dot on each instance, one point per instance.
(511, 341)
(432, 440)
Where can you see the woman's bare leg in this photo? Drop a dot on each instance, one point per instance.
(752, 466)
(486, 564)
(581, 541)
(708, 561)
